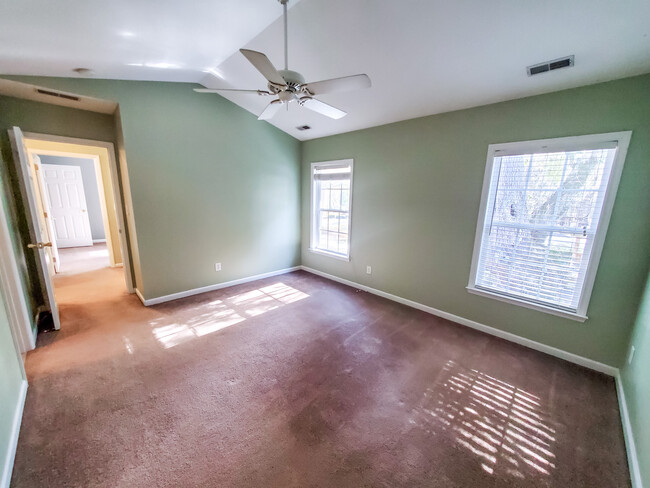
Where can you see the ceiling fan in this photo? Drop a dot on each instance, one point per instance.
(290, 86)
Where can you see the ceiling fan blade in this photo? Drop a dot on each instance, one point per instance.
(218, 90)
(270, 110)
(323, 108)
(264, 66)
(354, 82)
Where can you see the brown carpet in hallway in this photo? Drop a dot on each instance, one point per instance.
(295, 381)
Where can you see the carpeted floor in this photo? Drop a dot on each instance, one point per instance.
(75, 260)
(296, 381)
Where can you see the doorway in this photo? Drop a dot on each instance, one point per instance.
(74, 194)
(71, 187)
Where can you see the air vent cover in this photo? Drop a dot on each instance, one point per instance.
(57, 94)
(536, 69)
(303, 127)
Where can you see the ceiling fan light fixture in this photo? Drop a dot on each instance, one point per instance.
(287, 96)
(290, 86)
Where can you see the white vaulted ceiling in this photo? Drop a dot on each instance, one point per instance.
(161, 40)
(423, 56)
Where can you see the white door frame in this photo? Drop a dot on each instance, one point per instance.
(117, 196)
(19, 320)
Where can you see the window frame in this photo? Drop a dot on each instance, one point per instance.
(544, 146)
(312, 216)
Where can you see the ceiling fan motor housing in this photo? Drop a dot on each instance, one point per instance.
(293, 79)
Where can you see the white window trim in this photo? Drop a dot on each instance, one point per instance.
(550, 145)
(312, 205)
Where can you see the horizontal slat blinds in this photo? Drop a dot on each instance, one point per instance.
(535, 148)
(334, 172)
(331, 212)
(542, 215)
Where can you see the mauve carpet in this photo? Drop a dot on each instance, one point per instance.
(296, 381)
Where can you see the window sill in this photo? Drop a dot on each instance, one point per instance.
(534, 306)
(330, 254)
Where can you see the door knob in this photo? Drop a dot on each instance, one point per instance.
(39, 245)
(83, 210)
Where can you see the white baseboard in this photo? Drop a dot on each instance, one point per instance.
(538, 346)
(175, 296)
(567, 356)
(97, 241)
(13, 439)
(628, 433)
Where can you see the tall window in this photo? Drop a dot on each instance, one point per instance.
(544, 214)
(330, 211)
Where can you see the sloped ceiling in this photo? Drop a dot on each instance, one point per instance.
(423, 56)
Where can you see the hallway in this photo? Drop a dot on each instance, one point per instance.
(297, 381)
(75, 260)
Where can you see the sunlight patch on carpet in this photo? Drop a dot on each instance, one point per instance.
(220, 314)
(504, 426)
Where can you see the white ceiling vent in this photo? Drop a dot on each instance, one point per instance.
(536, 69)
(303, 127)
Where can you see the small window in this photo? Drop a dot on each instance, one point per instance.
(544, 214)
(331, 187)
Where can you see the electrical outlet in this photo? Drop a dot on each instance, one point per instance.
(368, 270)
(631, 355)
(217, 267)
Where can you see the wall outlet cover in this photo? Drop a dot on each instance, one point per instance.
(217, 267)
(368, 270)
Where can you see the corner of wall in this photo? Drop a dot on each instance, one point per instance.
(628, 434)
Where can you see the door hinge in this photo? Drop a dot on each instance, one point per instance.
(45, 213)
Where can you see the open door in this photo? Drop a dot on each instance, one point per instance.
(46, 211)
(38, 233)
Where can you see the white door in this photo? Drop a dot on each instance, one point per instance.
(65, 194)
(38, 234)
(47, 214)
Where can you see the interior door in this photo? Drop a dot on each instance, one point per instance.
(67, 200)
(36, 230)
(47, 213)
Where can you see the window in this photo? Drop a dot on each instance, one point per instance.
(544, 214)
(331, 184)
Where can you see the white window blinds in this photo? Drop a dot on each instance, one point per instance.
(331, 191)
(542, 215)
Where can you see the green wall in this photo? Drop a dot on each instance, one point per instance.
(210, 183)
(11, 375)
(636, 383)
(417, 188)
(11, 379)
